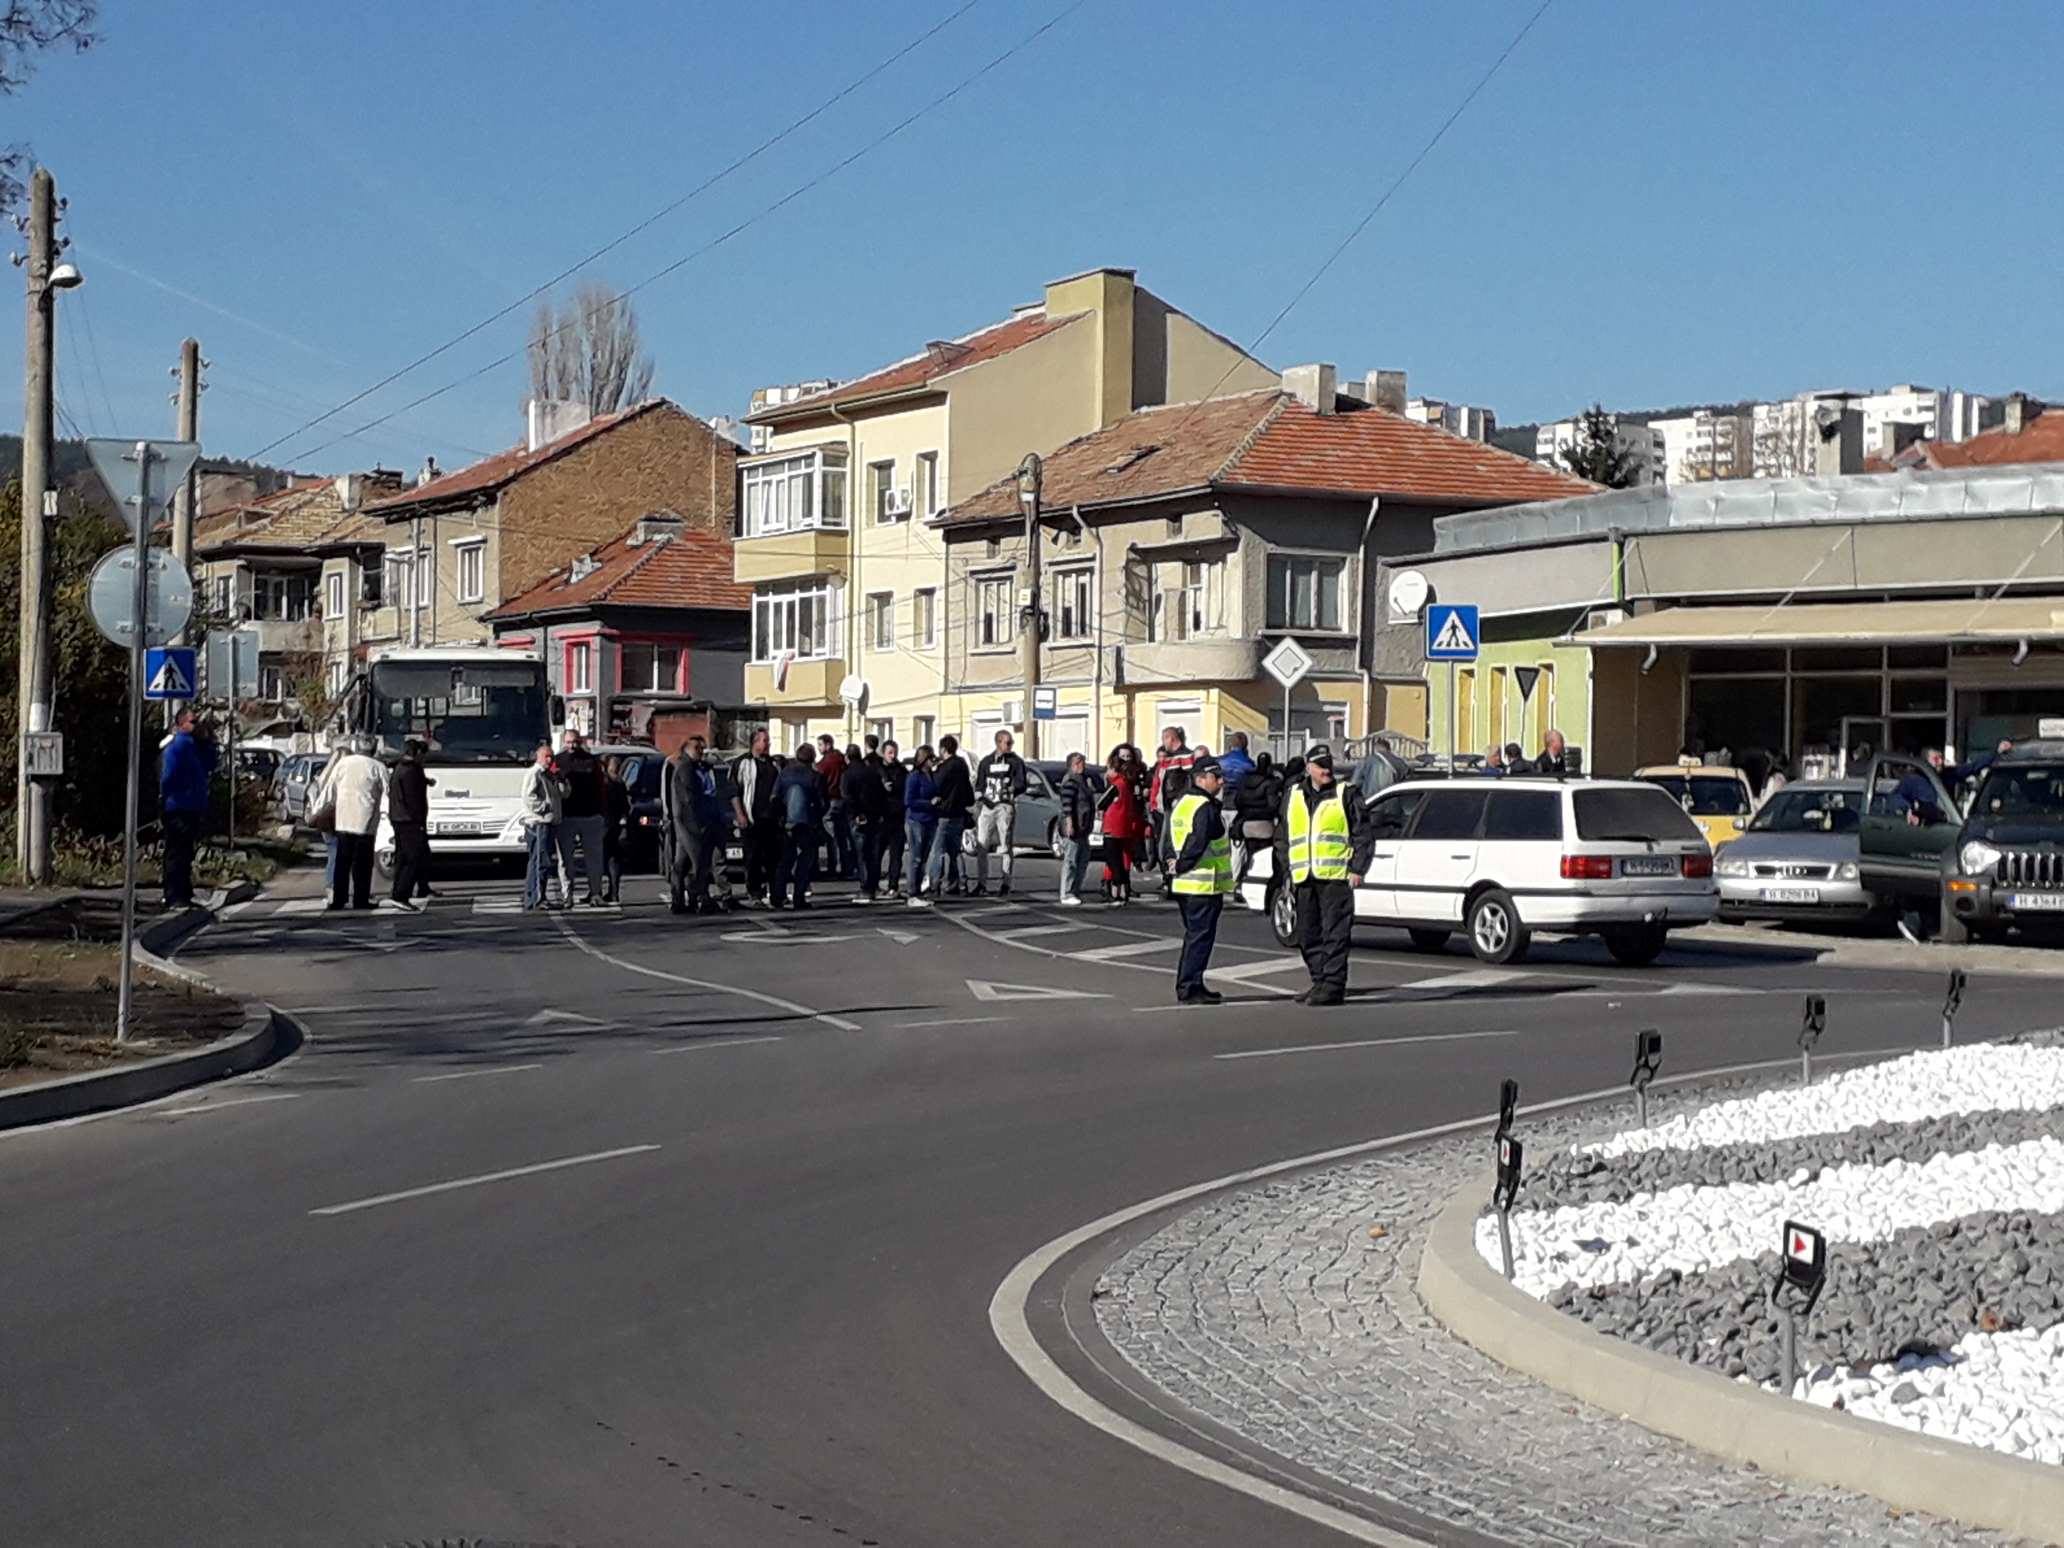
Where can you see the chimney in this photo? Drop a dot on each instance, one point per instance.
(656, 527)
(1837, 441)
(2020, 413)
(1107, 296)
(546, 419)
(350, 489)
(1311, 385)
(430, 471)
(1386, 390)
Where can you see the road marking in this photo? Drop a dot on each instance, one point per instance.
(293, 906)
(1029, 932)
(1693, 986)
(1482, 978)
(474, 1182)
(956, 1021)
(1367, 1042)
(783, 938)
(550, 1014)
(983, 989)
(729, 1042)
(774, 1000)
(504, 1069)
(216, 1107)
(1127, 949)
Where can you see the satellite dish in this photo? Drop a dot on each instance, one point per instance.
(1408, 593)
(852, 689)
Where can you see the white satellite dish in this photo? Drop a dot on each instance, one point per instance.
(1408, 593)
(852, 689)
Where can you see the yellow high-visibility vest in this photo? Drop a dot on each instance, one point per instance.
(1321, 850)
(1213, 874)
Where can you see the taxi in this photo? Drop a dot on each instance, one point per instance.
(1717, 799)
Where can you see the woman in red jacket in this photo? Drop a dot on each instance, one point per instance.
(1125, 824)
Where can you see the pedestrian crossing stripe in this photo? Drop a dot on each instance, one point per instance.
(982, 989)
(514, 905)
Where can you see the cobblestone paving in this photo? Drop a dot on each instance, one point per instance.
(1274, 1311)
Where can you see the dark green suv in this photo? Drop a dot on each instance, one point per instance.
(2006, 868)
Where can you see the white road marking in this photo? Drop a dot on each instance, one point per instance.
(293, 906)
(504, 1069)
(1482, 978)
(774, 1000)
(983, 989)
(1127, 949)
(1694, 986)
(1367, 1042)
(1029, 932)
(474, 1182)
(551, 1014)
(216, 1107)
(956, 1021)
(729, 1042)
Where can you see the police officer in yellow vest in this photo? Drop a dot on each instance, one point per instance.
(1200, 865)
(1316, 850)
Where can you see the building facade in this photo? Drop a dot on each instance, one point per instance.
(1641, 444)
(1706, 445)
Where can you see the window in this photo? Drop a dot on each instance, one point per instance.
(881, 620)
(1391, 812)
(333, 594)
(472, 558)
(286, 597)
(1453, 814)
(1524, 814)
(225, 595)
(921, 729)
(881, 485)
(1304, 592)
(1072, 604)
(1189, 600)
(992, 611)
(580, 667)
(803, 622)
(1642, 816)
(648, 667)
(924, 618)
(926, 495)
(788, 494)
(884, 729)
(272, 683)
(372, 585)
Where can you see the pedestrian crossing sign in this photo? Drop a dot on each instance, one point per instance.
(1451, 632)
(168, 672)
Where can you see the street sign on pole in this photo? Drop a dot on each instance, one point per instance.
(232, 665)
(168, 672)
(112, 591)
(1524, 678)
(1451, 631)
(1046, 703)
(43, 754)
(1288, 664)
(117, 464)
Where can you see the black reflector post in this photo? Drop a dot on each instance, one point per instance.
(1510, 1155)
(1811, 1025)
(1648, 1058)
(1952, 1002)
(1801, 1276)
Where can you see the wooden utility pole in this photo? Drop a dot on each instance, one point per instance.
(189, 429)
(32, 693)
(1031, 617)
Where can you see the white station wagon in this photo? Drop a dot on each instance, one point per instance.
(1503, 859)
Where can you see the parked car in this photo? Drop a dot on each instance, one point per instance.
(1800, 857)
(2005, 869)
(1039, 816)
(643, 773)
(1909, 828)
(1717, 798)
(258, 764)
(1505, 859)
(298, 776)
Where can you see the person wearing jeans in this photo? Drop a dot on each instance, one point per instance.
(920, 821)
(539, 810)
(183, 771)
(953, 798)
(584, 816)
(799, 802)
(998, 783)
(1078, 823)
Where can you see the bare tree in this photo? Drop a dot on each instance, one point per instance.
(27, 29)
(589, 351)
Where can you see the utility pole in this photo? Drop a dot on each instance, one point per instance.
(189, 429)
(1031, 618)
(46, 276)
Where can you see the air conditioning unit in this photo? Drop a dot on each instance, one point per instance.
(896, 502)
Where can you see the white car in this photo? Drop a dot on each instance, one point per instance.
(1505, 858)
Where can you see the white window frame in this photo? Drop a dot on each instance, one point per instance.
(777, 622)
(881, 483)
(924, 485)
(340, 676)
(474, 550)
(923, 729)
(580, 666)
(791, 492)
(648, 683)
(272, 683)
(881, 620)
(1073, 576)
(884, 728)
(398, 569)
(333, 594)
(1199, 598)
(924, 610)
(1290, 558)
(1006, 633)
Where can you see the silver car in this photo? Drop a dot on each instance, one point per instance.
(1797, 858)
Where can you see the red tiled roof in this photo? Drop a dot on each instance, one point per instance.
(1269, 440)
(306, 515)
(921, 369)
(506, 466)
(2041, 441)
(690, 569)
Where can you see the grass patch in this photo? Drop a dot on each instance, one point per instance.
(58, 999)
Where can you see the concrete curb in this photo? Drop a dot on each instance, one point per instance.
(263, 1034)
(1733, 1419)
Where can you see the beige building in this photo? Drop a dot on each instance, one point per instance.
(836, 534)
(1182, 543)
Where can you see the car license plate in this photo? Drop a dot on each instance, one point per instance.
(458, 829)
(2036, 902)
(1649, 865)
(1791, 894)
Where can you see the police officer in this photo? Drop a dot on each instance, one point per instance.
(1200, 867)
(1315, 850)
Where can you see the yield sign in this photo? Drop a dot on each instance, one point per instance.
(1524, 678)
(982, 989)
(116, 463)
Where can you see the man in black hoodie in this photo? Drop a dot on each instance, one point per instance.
(408, 809)
(753, 816)
(867, 811)
(584, 815)
(892, 776)
(998, 783)
(954, 802)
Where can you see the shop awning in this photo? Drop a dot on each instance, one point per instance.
(1840, 623)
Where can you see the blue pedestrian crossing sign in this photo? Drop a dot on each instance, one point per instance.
(168, 672)
(1451, 631)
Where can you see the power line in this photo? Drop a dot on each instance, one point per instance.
(751, 220)
(649, 221)
(1377, 208)
(72, 344)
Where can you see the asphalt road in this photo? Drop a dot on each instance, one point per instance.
(768, 1172)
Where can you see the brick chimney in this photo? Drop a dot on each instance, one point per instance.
(1311, 385)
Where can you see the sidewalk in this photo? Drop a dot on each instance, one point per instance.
(1858, 951)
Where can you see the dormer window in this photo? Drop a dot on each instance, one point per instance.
(582, 568)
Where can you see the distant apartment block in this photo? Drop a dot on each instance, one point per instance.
(1643, 443)
(1705, 445)
(1463, 419)
(1892, 420)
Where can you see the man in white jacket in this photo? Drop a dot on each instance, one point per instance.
(540, 813)
(357, 785)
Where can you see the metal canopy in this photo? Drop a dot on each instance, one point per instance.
(1852, 623)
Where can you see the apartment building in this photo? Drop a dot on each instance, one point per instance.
(849, 576)
(1893, 419)
(1706, 445)
(1181, 543)
(1464, 419)
(1642, 443)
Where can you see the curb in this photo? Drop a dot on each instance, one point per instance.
(1732, 1419)
(264, 1034)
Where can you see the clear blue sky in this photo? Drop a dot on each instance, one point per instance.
(1650, 204)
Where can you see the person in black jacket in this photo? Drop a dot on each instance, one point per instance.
(999, 781)
(1317, 812)
(954, 802)
(753, 816)
(695, 823)
(408, 809)
(1078, 822)
(867, 812)
(616, 825)
(584, 815)
(893, 774)
(799, 806)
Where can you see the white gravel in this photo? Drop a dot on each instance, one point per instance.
(1692, 1229)
(2002, 1390)
(1978, 1078)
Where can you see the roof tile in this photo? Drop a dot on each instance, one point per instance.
(505, 466)
(690, 569)
(935, 361)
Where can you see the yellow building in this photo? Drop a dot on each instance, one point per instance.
(851, 598)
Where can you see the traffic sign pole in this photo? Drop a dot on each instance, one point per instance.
(136, 687)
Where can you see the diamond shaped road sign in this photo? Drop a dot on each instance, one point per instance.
(115, 462)
(1287, 663)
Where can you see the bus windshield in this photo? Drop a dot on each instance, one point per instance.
(467, 712)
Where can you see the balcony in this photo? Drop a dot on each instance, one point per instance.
(791, 555)
(286, 636)
(1200, 659)
(809, 682)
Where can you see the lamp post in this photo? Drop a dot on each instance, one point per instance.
(47, 274)
(1032, 615)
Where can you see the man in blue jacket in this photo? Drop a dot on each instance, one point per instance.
(183, 770)
(799, 806)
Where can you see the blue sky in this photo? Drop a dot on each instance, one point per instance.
(1650, 204)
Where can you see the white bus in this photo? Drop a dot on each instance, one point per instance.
(481, 711)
